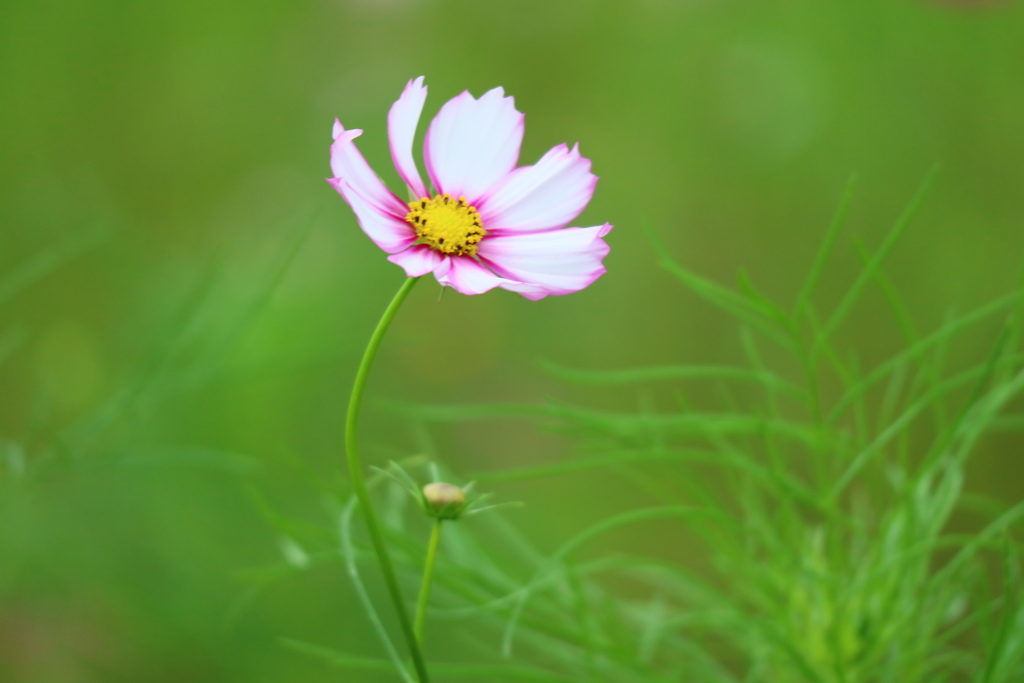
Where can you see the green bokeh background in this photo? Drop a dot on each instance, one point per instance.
(159, 153)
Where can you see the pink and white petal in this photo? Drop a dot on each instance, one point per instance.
(417, 260)
(390, 233)
(349, 165)
(402, 121)
(561, 261)
(545, 196)
(472, 144)
(465, 275)
(531, 292)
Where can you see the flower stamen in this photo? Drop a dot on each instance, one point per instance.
(447, 225)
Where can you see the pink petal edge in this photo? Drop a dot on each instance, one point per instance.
(559, 261)
(466, 276)
(417, 260)
(545, 196)
(403, 118)
(348, 164)
(390, 233)
(469, 277)
(472, 144)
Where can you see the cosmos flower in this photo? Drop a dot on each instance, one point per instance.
(487, 223)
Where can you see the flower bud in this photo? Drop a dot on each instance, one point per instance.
(445, 500)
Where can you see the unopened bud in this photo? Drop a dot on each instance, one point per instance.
(441, 496)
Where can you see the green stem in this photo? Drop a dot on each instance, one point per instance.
(359, 483)
(428, 576)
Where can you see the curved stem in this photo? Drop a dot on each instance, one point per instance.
(428, 576)
(355, 470)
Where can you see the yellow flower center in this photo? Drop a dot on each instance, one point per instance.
(447, 225)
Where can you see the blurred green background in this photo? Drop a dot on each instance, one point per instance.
(183, 299)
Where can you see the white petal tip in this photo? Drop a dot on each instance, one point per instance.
(495, 92)
(347, 136)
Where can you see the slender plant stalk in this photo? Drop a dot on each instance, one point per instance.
(355, 470)
(428, 576)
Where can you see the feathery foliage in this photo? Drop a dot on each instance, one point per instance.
(822, 491)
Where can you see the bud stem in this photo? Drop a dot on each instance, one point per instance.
(428, 576)
(359, 484)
